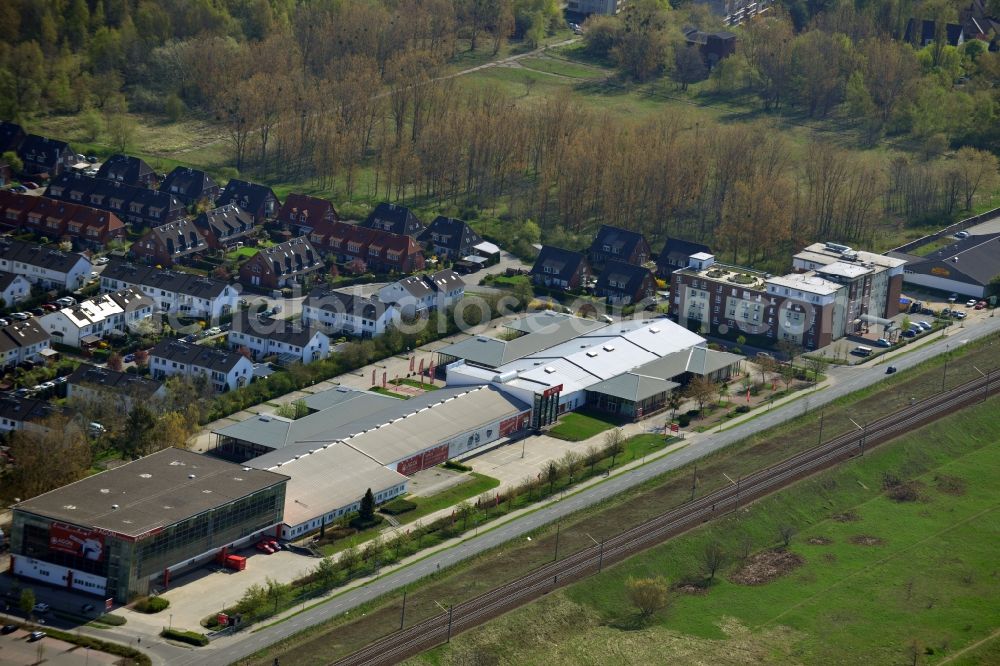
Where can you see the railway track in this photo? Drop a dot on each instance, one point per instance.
(397, 646)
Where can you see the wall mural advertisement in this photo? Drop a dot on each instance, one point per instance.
(76, 541)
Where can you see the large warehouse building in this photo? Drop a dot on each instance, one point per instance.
(356, 440)
(120, 533)
(627, 368)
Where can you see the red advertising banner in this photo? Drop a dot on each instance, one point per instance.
(552, 391)
(514, 424)
(435, 456)
(76, 541)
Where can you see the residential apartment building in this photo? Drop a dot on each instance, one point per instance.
(450, 238)
(837, 292)
(259, 201)
(225, 226)
(90, 384)
(675, 254)
(172, 292)
(128, 170)
(95, 318)
(225, 370)
(290, 341)
(625, 284)
(395, 219)
(169, 243)
(419, 293)
(348, 314)
(191, 186)
(23, 413)
(51, 269)
(361, 249)
(22, 341)
(561, 269)
(614, 244)
(281, 265)
(302, 213)
(44, 157)
(133, 204)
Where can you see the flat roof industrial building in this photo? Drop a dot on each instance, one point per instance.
(359, 440)
(118, 533)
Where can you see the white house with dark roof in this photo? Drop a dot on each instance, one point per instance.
(97, 317)
(350, 314)
(52, 269)
(22, 341)
(13, 288)
(424, 292)
(290, 341)
(171, 291)
(226, 370)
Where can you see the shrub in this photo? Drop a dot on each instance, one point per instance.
(359, 523)
(684, 420)
(457, 466)
(398, 506)
(742, 409)
(150, 605)
(112, 620)
(189, 637)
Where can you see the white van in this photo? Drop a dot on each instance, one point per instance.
(861, 350)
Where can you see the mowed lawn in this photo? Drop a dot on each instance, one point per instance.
(576, 427)
(929, 584)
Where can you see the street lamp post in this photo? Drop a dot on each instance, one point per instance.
(556, 557)
(819, 440)
(402, 613)
(864, 433)
(451, 610)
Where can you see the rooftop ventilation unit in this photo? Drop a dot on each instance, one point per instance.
(608, 348)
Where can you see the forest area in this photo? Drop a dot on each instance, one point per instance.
(353, 100)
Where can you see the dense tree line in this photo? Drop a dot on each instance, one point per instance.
(353, 95)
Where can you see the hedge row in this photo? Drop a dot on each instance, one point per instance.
(189, 637)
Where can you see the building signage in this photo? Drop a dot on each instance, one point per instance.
(552, 391)
(940, 271)
(76, 541)
(515, 424)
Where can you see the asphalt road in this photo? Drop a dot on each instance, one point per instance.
(849, 379)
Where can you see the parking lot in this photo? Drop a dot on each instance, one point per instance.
(15, 648)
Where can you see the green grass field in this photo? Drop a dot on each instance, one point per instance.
(576, 427)
(475, 485)
(931, 581)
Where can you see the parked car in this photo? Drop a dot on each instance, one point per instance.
(36, 636)
(980, 305)
(31, 185)
(128, 358)
(909, 334)
(189, 338)
(4, 321)
(51, 307)
(924, 325)
(20, 316)
(215, 330)
(100, 261)
(66, 301)
(40, 608)
(890, 369)
(962, 234)
(20, 189)
(8, 629)
(38, 312)
(91, 159)
(882, 342)
(94, 276)
(957, 314)
(970, 303)
(265, 547)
